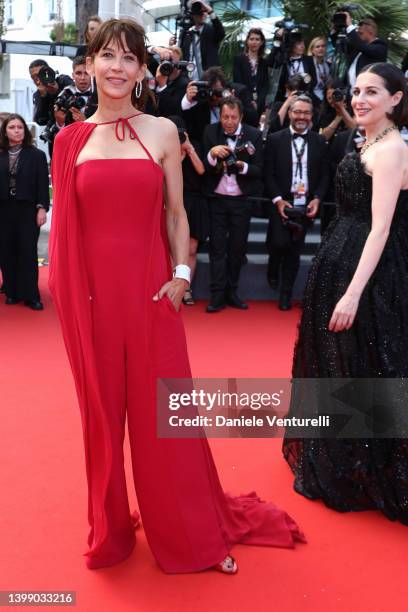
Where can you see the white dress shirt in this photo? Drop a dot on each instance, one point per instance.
(295, 178)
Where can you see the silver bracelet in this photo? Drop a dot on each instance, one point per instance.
(182, 271)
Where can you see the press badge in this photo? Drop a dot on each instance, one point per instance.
(299, 195)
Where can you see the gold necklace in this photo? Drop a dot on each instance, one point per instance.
(387, 130)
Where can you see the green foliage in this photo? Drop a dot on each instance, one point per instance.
(235, 22)
(391, 17)
(64, 33)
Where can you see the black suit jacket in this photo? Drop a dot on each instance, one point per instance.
(375, 51)
(242, 74)
(169, 99)
(199, 116)
(308, 66)
(31, 178)
(250, 183)
(210, 38)
(278, 165)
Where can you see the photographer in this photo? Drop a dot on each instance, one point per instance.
(200, 42)
(289, 53)
(233, 159)
(201, 103)
(279, 118)
(363, 46)
(296, 180)
(335, 116)
(72, 103)
(171, 84)
(49, 85)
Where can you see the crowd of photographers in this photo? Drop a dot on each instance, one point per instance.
(266, 143)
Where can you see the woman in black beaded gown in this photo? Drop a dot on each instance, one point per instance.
(355, 318)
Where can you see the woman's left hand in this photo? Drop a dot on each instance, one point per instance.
(344, 313)
(41, 217)
(174, 290)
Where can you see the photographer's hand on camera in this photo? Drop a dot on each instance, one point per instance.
(76, 114)
(220, 152)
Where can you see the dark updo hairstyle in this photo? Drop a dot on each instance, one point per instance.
(4, 141)
(259, 33)
(394, 80)
(135, 38)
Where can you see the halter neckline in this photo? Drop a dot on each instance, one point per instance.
(121, 119)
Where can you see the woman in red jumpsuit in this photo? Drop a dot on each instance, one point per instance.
(110, 279)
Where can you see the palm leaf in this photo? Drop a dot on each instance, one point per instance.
(392, 19)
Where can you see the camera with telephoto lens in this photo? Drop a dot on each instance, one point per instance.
(294, 223)
(68, 99)
(47, 75)
(339, 18)
(167, 67)
(205, 91)
(231, 160)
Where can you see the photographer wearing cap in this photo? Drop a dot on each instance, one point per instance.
(72, 103)
(171, 84)
(296, 180)
(202, 100)
(363, 46)
(233, 159)
(200, 42)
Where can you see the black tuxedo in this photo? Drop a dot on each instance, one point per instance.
(284, 246)
(210, 38)
(308, 68)
(250, 183)
(18, 228)
(376, 51)
(230, 215)
(199, 116)
(259, 82)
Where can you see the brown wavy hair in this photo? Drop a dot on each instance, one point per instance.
(4, 141)
(96, 18)
(135, 38)
(258, 32)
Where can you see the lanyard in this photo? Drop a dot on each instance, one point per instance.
(299, 156)
(295, 69)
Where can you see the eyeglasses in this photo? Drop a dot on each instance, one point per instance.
(300, 112)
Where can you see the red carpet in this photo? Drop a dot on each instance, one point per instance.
(352, 562)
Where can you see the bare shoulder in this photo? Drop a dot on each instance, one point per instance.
(165, 125)
(391, 153)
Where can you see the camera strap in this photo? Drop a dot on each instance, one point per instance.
(195, 44)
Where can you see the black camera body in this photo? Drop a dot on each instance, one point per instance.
(68, 99)
(231, 160)
(339, 19)
(339, 94)
(295, 221)
(49, 133)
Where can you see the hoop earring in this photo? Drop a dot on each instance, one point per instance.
(92, 84)
(138, 89)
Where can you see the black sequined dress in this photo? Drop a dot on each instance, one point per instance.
(354, 474)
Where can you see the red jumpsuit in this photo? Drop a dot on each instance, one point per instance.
(109, 219)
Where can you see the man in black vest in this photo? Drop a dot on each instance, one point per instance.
(200, 43)
(296, 180)
(230, 180)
